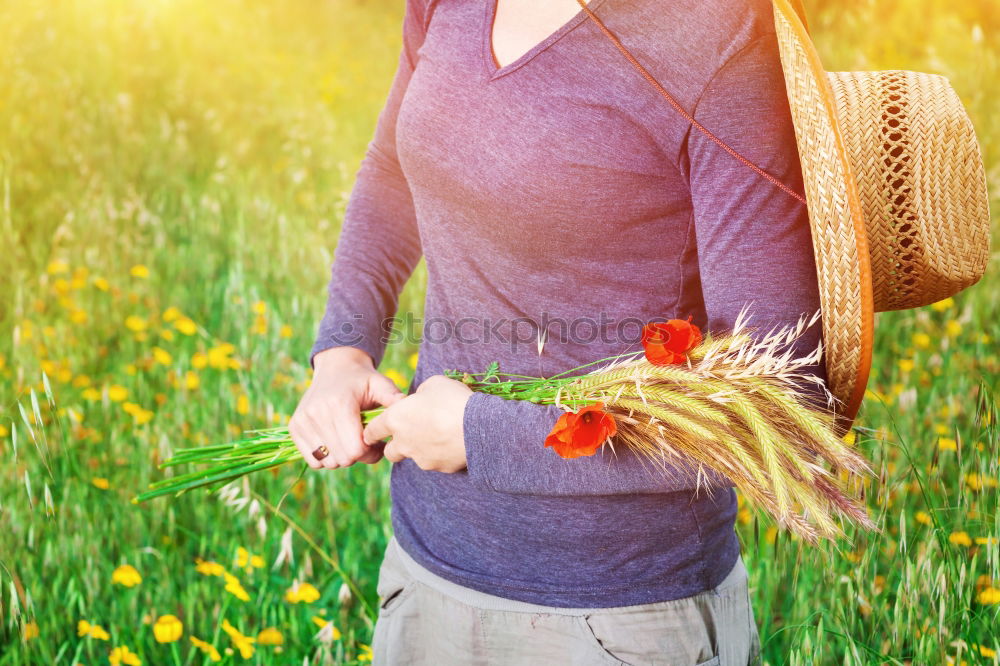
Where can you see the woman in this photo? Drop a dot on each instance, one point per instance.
(560, 203)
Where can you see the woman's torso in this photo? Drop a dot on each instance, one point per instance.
(554, 189)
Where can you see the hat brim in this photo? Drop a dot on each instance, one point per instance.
(836, 218)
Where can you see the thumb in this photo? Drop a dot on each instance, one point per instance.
(383, 390)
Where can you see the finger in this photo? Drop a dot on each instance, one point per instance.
(429, 383)
(384, 391)
(392, 452)
(378, 429)
(326, 434)
(347, 423)
(316, 420)
(373, 454)
(306, 440)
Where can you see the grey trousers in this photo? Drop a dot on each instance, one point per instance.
(425, 619)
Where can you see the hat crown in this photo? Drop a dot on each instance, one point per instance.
(921, 182)
(896, 192)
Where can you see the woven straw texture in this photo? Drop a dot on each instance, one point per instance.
(835, 213)
(922, 184)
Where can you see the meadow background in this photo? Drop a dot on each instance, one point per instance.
(173, 174)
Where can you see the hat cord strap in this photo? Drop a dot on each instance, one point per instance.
(673, 102)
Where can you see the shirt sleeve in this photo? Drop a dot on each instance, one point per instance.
(378, 246)
(754, 245)
(753, 239)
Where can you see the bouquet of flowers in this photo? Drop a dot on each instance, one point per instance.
(729, 403)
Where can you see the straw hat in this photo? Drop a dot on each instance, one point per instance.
(895, 189)
(896, 193)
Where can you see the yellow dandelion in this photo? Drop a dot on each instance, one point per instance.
(139, 271)
(921, 340)
(101, 483)
(397, 378)
(135, 323)
(168, 629)
(366, 652)
(206, 648)
(248, 560)
(906, 364)
(191, 380)
(947, 444)
(259, 325)
(985, 651)
(988, 595)
(960, 539)
(234, 587)
(162, 356)
(57, 267)
(199, 360)
(323, 622)
(260, 307)
(218, 357)
(953, 328)
(91, 394)
(302, 592)
(122, 655)
(117, 392)
(243, 404)
(923, 517)
(285, 331)
(142, 416)
(185, 326)
(126, 575)
(943, 305)
(243, 643)
(270, 636)
(78, 316)
(170, 314)
(101, 283)
(30, 630)
(208, 568)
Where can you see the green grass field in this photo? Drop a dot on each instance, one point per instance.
(172, 179)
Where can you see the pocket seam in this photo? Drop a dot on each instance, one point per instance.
(397, 599)
(595, 642)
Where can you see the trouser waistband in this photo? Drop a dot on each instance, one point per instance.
(486, 601)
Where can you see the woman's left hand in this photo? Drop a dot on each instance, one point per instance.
(426, 426)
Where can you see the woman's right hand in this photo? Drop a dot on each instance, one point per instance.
(344, 383)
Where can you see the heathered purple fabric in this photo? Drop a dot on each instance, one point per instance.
(564, 186)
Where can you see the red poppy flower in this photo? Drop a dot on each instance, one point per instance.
(668, 342)
(582, 433)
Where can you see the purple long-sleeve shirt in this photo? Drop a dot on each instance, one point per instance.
(562, 189)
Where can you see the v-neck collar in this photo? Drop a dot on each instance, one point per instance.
(489, 16)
